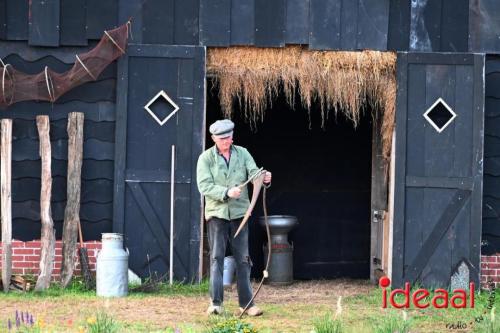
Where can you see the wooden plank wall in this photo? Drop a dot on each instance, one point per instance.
(404, 25)
(491, 181)
(97, 101)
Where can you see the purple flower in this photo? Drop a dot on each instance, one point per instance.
(32, 322)
(18, 322)
(22, 317)
(9, 324)
(17, 315)
(177, 330)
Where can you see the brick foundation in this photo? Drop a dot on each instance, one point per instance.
(26, 257)
(490, 269)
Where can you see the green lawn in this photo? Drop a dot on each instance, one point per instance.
(297, 308)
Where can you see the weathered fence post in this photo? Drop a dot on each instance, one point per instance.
(72, 212)
(48, 232)
(6, 201)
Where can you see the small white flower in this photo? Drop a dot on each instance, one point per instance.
(405, 315)
(339, 307)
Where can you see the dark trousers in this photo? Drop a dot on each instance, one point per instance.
(221, 231)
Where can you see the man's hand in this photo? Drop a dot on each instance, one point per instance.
(234, 192)
(267, 177)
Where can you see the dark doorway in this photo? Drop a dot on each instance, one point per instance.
(322, 176)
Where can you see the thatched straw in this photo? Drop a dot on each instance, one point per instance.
(338, 80)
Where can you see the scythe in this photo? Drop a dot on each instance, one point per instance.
(257, 186)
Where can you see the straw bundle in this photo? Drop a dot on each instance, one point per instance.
(338, 80)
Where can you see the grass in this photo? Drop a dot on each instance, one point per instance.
(327, 324)
(302, 307)
(76, 289)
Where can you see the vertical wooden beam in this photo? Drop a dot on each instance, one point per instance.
(6, 201)
(48, 231)
(72, 212)
(378, 200)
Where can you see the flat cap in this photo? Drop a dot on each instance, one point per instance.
(222, 128)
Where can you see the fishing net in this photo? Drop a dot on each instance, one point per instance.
(48, 85)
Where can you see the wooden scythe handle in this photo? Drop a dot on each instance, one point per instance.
(257, 185)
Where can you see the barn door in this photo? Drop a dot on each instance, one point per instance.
(161, 102)
(438, 176)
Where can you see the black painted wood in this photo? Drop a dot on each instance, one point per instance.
(491, 227)
(491, 207)
(324, 25)
(102, 131)
(242, 22)
(101, 15)
(350, 24)
(103, 90)
(132, 9)
(186, 27)
(439, 182)
(27, 230)
(44, 22)
(3, 19)
(455, 26)
(73, 23)
(297, 22)
(425, 26)
(478, 144)
(28, 149)
(36, 62)
(162, 235)
(26, 189)
(89, 211)
(373, 23)
(400, 172)
(180, 72)
(270, 23)
(491, 192)
(91, 169)
(215, 22)
(17, 19)
(432, 241)
(435, 225)
(399, 25)
(493, 82)
(483, 15)
(491, 164)
(100, 111)
(158, 29)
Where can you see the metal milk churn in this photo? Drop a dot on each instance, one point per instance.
(112, 267)
(281, 264)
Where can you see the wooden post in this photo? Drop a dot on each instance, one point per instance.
(172, 205)
(6, 201)
(48, 231)
(72, 212)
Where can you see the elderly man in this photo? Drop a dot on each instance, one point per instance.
(220, 170)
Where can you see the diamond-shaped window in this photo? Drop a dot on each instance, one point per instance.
(161, 109)
(439, 115)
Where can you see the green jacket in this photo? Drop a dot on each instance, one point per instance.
(215, 178)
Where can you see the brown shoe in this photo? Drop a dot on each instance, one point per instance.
(253, 311)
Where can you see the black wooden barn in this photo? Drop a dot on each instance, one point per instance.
(436, 210)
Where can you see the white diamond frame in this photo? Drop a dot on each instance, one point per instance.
(426, 115)
(163, 94)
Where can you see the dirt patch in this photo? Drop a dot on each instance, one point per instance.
(287, 309)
